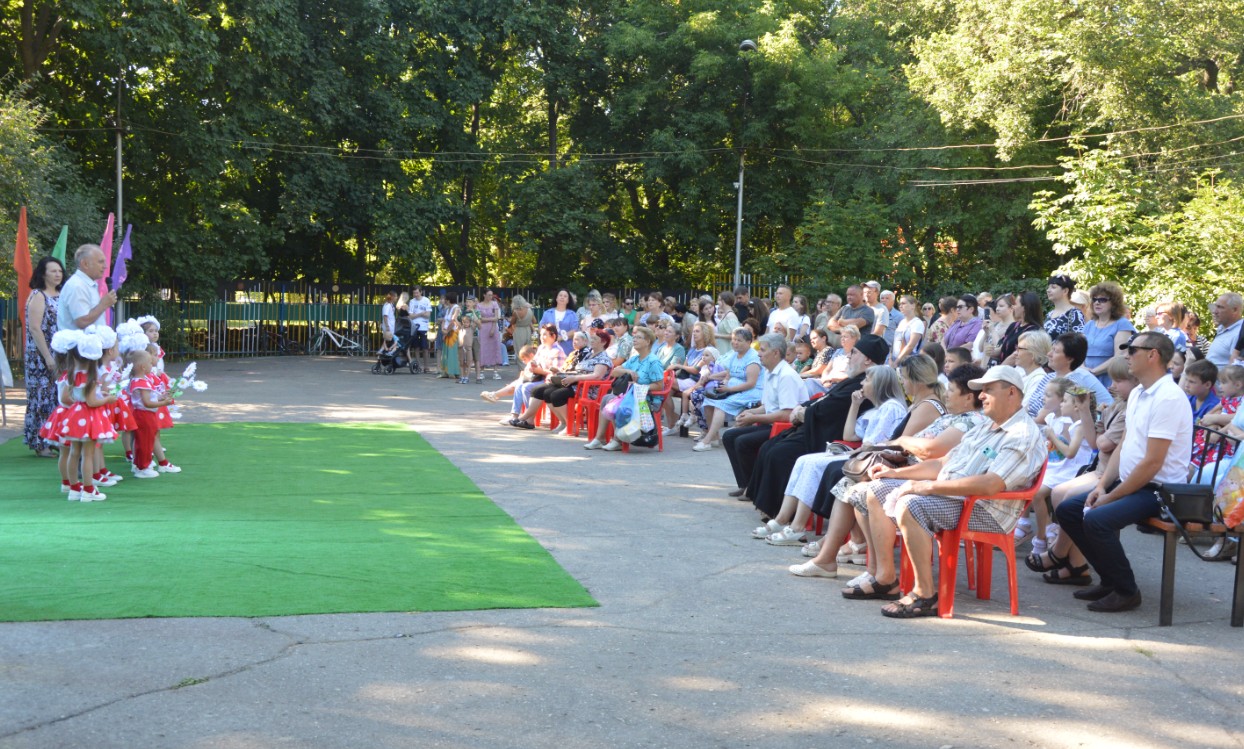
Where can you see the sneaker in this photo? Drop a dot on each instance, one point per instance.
(612, 446)
(146, 473)
(811, 569)
(859, 579)
(765, 530)
(788, 536)
(496, 375)
(853, 553)
(170, 468)
(479, 378)
(593, 445)
(559, 430)
(670, 430)
(702, 447)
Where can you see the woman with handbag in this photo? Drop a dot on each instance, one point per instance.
(963, 408)
(643, 368)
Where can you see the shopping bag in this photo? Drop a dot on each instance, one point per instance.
(626, 422)
(1230, 491)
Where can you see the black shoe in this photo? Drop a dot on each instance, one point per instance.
(1116, 601)
(1095, 593)
(738, 492)
(521, 424)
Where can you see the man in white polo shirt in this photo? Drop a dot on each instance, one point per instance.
(781, 393)
(1157, 448)
(80, 301)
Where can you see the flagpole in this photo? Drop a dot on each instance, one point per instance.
(120, 307)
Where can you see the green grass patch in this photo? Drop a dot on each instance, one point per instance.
(268, 520)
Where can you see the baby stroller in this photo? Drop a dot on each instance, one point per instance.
(388, 361)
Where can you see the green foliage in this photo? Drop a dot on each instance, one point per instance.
(1159, 243)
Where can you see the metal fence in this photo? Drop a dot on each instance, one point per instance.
(264, 318)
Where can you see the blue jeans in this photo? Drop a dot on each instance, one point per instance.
(1096, 534)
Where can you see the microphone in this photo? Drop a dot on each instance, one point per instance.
(108, 282)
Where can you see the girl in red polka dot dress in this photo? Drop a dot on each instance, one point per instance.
(62, 343)
(86, 422)
(147, 398)
(164, 419)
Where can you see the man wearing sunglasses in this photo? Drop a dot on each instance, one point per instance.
(1157, 448)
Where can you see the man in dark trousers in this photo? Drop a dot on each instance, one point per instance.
(816, 422)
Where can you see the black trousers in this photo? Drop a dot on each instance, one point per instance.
(775, 463)
(742, 446)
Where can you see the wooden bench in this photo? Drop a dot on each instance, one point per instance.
(1170, 534)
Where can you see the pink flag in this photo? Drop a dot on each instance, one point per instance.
(106, 245)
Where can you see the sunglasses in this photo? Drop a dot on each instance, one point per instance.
(1101, 299)
(961, 306)
(1131, 350)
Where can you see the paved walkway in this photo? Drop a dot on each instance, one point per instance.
(702, 639)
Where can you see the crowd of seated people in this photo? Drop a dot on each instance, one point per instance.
(878, 414)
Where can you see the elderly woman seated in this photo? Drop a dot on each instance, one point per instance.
(740, 388)
(964, 414)
(643, 368)
(588, 361)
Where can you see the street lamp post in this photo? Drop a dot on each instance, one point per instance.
(747, 45)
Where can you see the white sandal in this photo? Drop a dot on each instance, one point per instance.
(853, 553)
(811, 549)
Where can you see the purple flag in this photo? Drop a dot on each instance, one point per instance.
(119, 273)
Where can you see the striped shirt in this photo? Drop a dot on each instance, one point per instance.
(1014, 452)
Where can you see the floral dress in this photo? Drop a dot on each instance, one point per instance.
(1070, 321)
(41, 398)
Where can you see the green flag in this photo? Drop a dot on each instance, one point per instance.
(58, 251)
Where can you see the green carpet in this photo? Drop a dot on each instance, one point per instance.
(267, 520)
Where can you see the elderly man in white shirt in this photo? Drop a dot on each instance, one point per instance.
(783, 391)
(81, 304)
(1157, 448)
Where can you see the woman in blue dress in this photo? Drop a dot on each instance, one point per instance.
(643, 368)
(1107, 330)
(741, 389)
(564, 318)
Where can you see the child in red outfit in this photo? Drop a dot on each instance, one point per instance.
(147, 397)
(86, 422)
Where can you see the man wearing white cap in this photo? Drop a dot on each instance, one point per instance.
(1004, 454)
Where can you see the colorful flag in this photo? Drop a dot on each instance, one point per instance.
(62, 243)
(119, 272)
(105, 244)
(21, 264)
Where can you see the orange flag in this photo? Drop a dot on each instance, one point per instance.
(21, 264)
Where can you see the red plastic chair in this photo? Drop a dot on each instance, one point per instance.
(667, 386)
(587, 407)
(978, 551)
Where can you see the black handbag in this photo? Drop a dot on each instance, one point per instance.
(1187, 503)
